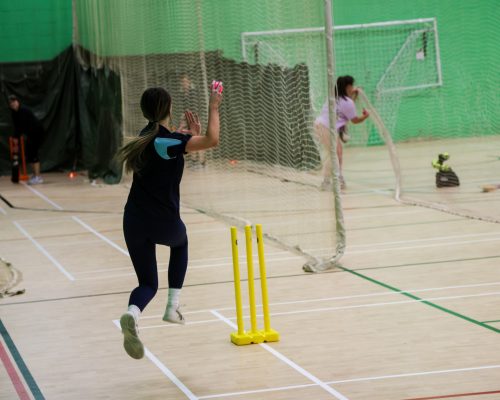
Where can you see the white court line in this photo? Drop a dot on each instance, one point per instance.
(422, 246)
(196, 231)
(197, 261)
(358, 296)
(432, 239)
(323, 254)
(324, 251)
(34, 221)
(368, 305)
(88, 215)
(3, 211)
(445, 371)
(45, 252)
(387, 303)
(380, 246)
(275, 389)
(377, 247)
(100, 236)
(125, 252)
(351, 217)
(314, 217)
(282, 388)
(169, 374)
(289, 362)
(42, 196)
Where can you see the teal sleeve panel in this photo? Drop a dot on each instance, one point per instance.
(162, 145)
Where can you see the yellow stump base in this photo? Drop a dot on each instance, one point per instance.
(271, 335)
(255, 338)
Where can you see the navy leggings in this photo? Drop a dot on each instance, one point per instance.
(142, 234)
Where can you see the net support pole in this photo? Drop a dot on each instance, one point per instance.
(319, 266)
(199, 18)
(204, 78)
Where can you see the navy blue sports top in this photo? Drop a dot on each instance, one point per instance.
(155, 188)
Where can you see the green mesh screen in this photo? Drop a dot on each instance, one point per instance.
(429, 71)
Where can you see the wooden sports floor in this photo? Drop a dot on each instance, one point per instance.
(413, 313)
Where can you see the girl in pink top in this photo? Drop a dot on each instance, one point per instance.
(345, 93)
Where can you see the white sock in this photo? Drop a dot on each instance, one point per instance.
(135, 312)
(173, 298)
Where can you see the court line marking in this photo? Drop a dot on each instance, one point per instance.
(169, 374)
(436, 306)
(363, 268)
(412, 374)
(431, 239)
(450, 396)
(327, 251)
(376, 294)
(44, 252)
(295, 257)
(367, 305)
(488, 322)
(117, 247)
(23, 369)
(357, 296)
(351, 380)
(289, 362)
(42, 196)
(100, 236)
(420, 246)
(275, 389)
(3, 211)
(13, 375)
(163, 368)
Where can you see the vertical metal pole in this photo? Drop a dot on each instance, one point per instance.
(204, 78)
(330, 59)
(201, 43)
(331, 80)
(438, 53)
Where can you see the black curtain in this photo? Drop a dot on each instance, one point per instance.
(80, 109)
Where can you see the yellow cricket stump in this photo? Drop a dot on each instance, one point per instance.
(242, 337)
(270, 335)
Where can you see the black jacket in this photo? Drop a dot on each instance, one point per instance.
(25, 123)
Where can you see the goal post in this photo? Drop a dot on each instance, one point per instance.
(371, 52)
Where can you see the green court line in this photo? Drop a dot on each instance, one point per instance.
(487, 322)
(428, 263)
(420, 300)
(35, 390)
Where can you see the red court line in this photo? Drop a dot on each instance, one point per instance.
(450, 396)
(14, 377)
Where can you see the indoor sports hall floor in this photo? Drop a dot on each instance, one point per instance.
(414, 313)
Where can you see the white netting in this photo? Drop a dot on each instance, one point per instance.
(272, 58)
(399, 66)
(267, 167)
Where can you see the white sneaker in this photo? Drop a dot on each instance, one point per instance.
(131, 342)
(172, 314)
(35, 180)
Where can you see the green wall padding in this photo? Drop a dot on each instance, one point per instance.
(34, 30)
